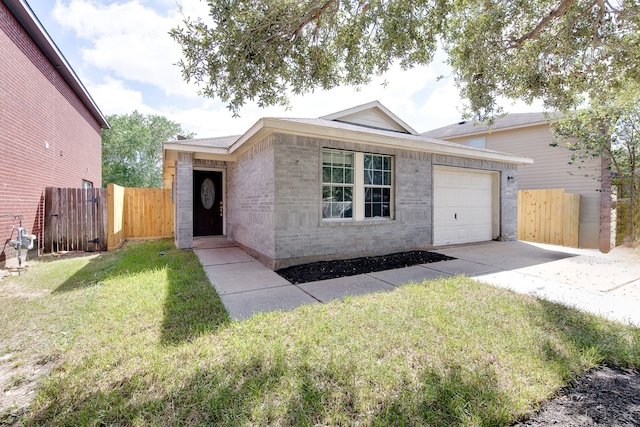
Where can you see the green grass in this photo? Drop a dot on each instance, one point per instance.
(142, 339)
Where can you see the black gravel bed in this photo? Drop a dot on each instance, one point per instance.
(324, 270)
(608, 396)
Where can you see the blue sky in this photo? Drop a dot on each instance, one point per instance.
(124, 56)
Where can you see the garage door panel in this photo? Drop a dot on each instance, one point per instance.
(463, 208)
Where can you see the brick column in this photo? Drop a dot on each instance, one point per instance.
(508, 205)
(184, 201)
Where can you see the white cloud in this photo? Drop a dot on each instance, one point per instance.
(395, 95)
(126, 43)
(441, 108)
(114, 97)
(209, 122)
(211, 117)
(129, 40)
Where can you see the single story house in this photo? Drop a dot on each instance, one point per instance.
(529, 135)
(50, 127)
(358, 182)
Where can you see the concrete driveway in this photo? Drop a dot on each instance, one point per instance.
(605, 284)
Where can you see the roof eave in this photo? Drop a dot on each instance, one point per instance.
(187, 148)
(267, 126)
(29, 21)
(492, 130)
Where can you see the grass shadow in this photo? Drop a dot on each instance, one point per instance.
(456, 396)
(96, 270)
(337, 364)
(191, 307)
(250, 391)
(224, 396)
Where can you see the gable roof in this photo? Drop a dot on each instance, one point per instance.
(29, 21)
(357, 134)
(471, 127)
(373, 115)
(228, 148)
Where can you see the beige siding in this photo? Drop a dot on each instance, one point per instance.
(372, 119)
(551, 170)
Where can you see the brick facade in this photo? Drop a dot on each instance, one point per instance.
(301, 236)
(250, 203)
(183, 190)
(47, 135)
(273, 201)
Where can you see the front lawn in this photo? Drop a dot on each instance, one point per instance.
(141, 338)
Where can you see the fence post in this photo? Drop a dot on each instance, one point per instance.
(115, 214)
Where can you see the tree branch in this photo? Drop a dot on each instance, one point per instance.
(598, 20)
(314, 15)
(559, 11)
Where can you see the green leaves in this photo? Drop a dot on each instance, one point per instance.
(251, 50)
(132, 149)
(610, 129)
(558, 50)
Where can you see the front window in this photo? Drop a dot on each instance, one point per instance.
(356, 185)
(377, 186)
(337, 184)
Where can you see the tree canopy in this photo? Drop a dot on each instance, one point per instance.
(610, 129)
(132, 148)
(555, 50)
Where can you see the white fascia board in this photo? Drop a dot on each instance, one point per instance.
(352, 110)
(187, 148)
(256, 132)
(493, 130)
(267, 126)
(212, 156)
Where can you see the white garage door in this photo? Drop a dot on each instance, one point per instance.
(462, 206)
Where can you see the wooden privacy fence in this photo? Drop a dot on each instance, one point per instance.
(549, 216)
(136, 213)
(75, 219)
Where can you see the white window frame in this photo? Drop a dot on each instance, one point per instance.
(381, 185)
(331, 184)
(358, 201)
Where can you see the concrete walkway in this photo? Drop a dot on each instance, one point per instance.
(605, 284)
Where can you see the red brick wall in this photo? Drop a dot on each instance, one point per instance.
(47, 136)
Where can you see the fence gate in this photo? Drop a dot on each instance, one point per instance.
(549, 216)
(75, 219)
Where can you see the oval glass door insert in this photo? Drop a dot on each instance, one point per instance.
(207, 193)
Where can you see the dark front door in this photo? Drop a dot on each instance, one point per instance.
(207, 203)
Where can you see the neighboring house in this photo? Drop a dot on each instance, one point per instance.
(529, 135)
(49, 125)
(355, 183)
